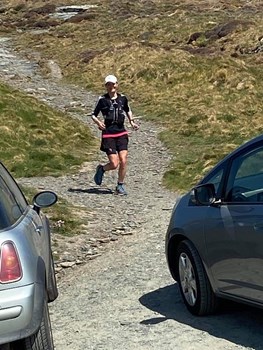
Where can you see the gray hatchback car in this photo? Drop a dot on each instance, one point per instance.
(214, 242)
(27, 278)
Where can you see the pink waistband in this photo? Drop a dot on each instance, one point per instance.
(105, 136)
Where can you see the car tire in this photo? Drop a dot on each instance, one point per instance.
(52, 282)
(42, 339)
(194, 285)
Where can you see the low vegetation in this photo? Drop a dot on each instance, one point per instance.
(194, 67)
(65, 219)
(37, 140)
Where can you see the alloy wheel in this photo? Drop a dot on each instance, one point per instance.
(187, 279)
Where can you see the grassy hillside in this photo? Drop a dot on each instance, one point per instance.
(37, 140)
(194, 67)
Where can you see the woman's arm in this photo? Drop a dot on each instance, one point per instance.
(94, 115)
(131, 120)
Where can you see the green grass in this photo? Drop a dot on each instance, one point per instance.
(36, 140)
(65, 219)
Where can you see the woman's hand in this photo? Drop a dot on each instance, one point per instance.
(134, 125)
(101, 125)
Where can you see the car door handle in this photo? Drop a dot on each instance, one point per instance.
(39, 229)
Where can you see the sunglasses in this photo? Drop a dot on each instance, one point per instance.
(109, 83)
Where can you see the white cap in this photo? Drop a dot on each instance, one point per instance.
(111, 79)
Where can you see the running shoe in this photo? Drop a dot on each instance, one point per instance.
(99, 175)
(120, 190)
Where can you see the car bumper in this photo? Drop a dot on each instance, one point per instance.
(20, 312)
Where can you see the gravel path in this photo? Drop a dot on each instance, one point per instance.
(122, 297)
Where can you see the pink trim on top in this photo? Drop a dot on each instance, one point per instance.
(115, 135)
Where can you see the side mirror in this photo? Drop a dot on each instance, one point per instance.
(44, 199)
(204, 194)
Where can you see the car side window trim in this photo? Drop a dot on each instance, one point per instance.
(208, 179)
(12, 184)
(12, 202)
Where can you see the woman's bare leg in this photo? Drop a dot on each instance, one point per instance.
(123, 157)
(113, 162)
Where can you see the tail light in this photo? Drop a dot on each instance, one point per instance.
(10, 267)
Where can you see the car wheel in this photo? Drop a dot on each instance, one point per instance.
(194, 285)
(42, 339)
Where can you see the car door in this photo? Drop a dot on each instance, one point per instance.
(234, 229)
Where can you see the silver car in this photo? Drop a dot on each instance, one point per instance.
(214, 242)
(27, 278)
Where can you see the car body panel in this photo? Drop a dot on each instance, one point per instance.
(21, 312)
(30, 245)
(193, 229)
(234, 245)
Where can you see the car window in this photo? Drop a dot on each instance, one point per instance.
(14, 188)
(12, 201)
(216, 179)
(245, 183)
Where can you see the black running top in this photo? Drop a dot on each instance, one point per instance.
(113, 111)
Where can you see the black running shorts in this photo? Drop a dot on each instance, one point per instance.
(113, 145)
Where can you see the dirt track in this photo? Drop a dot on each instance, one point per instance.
(125, 299)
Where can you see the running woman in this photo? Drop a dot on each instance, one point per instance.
(114, 107)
